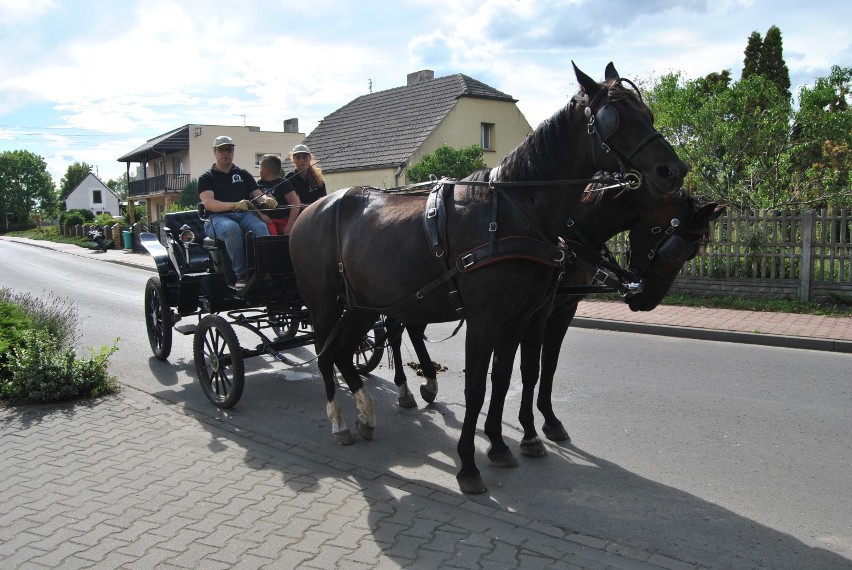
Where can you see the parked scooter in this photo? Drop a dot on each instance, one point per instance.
(98, 237)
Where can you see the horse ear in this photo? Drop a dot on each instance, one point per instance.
(610, 72)
(709, 212)
(589, 85)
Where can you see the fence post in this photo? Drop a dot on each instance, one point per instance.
(806, 264)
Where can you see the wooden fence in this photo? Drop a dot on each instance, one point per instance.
(803, 255)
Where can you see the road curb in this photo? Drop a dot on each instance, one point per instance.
(807, 343)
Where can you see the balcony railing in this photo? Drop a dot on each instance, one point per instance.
(171, 182)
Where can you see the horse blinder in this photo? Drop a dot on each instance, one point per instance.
(604, 122)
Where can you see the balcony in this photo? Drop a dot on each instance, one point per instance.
(162, 183)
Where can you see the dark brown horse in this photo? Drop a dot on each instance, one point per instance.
(494, 260)
(664, 233)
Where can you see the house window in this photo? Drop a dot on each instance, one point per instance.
(177, 164)
(159, 168)
(96, 197)
(258, 156)
(487, 136)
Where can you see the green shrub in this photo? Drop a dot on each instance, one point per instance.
(40, 371)
(105, 219)
(78, 216)
(73, 219)
(13, 323)
(38, 362)
(55, 315)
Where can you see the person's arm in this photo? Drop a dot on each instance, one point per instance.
(208, 198)
(211, 204)
(295, 207)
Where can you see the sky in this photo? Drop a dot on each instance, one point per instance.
(88, 81)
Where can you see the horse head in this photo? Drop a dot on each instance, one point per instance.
(670, 234)
(623, 128)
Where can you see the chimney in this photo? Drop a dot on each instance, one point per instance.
(291, 125)
(420, 77)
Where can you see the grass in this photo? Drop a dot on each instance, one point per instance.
(51, 233)
(840, 306)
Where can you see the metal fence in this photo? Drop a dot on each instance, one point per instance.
(799, 254)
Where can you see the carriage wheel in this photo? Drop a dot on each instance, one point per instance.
(218, 361)
(285, 327)
(158, 319)
(369, 352)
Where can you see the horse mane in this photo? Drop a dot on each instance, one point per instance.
(542, 153)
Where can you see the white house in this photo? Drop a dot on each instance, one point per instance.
(92, 194)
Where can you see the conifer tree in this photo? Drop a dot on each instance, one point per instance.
(772, 65)
(751, 63)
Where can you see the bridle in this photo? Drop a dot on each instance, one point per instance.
(604, 120)
(676, 245)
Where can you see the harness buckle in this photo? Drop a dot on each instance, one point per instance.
(601, 276)
(340, 267)
(467, 260)
(492, 227)
(431, 213)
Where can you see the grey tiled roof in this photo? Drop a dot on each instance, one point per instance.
(385, 128)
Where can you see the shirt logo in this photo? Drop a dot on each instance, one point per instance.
(236, 179)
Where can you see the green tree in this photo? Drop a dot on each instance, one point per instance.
(189, 195)
(820, 160)
(751, 63)
(733, 137)
(25, 186)
(764, 56)
(119, 186)
(73, 176)
(449, 162)
(772, 65)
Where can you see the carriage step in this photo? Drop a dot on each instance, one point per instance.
(188, 328)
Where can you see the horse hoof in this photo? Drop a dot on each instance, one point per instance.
(426, 394)
(365, 430)
(343, 438)
(556, 432)
(407, 401)
(533, 448)
(472, 485)
(503, 458)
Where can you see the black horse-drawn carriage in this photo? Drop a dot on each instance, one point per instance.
(195, 280)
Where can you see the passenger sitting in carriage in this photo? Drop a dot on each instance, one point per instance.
(226, 192)
(281, 190)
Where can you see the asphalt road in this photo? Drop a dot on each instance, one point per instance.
(725, 455)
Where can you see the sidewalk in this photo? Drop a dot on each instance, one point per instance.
(130, 481)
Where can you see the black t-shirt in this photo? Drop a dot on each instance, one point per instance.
(282, 188)
(307, 194)
(232, 186)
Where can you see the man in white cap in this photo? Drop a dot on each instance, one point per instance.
(227, 193)
(306, 177)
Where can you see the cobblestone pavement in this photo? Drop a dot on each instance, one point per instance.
(128, 481)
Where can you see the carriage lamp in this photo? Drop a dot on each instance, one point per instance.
(186, 235)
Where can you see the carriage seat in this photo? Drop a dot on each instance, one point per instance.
(199, 258)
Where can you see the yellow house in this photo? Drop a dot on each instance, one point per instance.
(172, 160)
(375, 138)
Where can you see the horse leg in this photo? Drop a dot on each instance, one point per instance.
(478, 349)
(501, 376)
(339, 430)
(531, 444)
(349, 339)
(556, 328)
(429, 387)
(393, 329)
